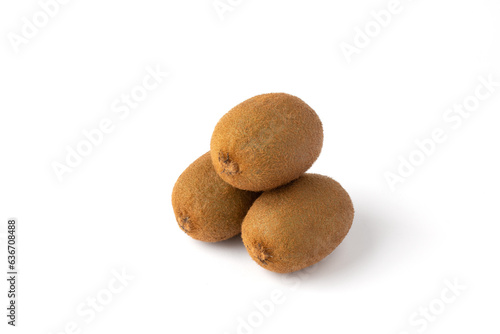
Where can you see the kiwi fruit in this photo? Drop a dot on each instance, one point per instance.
(266, 141)
(206, 207)
(297, 225)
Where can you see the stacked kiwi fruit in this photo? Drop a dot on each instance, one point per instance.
(253, 181)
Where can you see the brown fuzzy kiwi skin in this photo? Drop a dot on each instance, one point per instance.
(207, 208)
(297, 225)
(266, 142)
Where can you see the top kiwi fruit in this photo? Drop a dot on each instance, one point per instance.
(266, 142)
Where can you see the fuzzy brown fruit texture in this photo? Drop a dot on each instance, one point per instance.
(266, 142)
(297, 225)
(206, 207)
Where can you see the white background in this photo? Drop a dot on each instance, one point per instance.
(113, 211)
